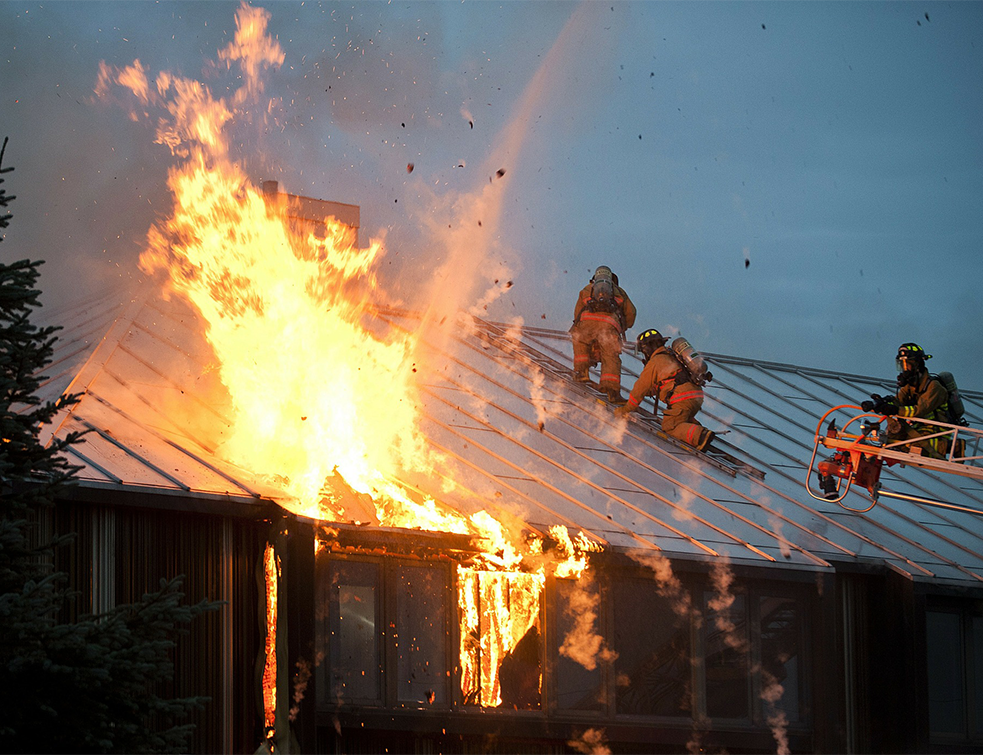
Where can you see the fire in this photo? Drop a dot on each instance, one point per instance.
(271, 569)
(316, 395)
(325, 403)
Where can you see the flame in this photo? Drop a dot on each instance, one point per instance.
(314, 392)
(324, 401)
(271, 568)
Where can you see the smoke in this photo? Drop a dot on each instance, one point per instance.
(668, 584)
(582, 643)
(591, 742)
(722, 578)
(771, 693)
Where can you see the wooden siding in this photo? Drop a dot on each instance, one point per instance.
(121, 553)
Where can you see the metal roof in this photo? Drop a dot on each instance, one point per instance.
(520, 438)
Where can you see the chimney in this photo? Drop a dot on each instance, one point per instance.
(270, 189)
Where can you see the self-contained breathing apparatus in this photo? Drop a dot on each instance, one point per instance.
(694, 369)
(602, 291)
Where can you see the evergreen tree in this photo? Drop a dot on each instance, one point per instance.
(90, 685)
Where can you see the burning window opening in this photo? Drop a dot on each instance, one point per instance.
(499, 608)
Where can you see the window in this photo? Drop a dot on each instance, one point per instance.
(752, 658)
(954, 662)
(577, 673)
(501, 647)
(354, 632)
(781, 656)
(978, 672)
(726, 658)
(421, 634)
(370, 611)
(653, 673)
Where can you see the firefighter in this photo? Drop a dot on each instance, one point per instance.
(665, 378)
(600, 318)
(919, 395)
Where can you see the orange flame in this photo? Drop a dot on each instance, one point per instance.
(271, 568)
(324, 404)
(314, 392)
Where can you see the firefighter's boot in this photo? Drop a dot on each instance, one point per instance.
(705, 437)
(615, 398)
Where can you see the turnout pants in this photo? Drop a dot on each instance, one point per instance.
(608, 340)
(679, 418)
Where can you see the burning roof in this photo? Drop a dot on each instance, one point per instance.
(509, 434)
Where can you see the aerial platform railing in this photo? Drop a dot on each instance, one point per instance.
(858, 456)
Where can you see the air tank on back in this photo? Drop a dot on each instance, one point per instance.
(691, 360)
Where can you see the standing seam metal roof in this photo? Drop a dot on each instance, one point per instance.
(518, 437)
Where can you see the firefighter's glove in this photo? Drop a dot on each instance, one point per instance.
(622, 411)
(884, 406)
(871, 406)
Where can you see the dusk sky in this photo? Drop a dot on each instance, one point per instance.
(788, 181)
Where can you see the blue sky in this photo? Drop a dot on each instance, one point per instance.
(837, 147)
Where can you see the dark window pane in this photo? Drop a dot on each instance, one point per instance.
(653, 672)
(946, 697)
(578, 668)
(781, 633)
(727, 680)
(355, 632)
(978, 671)
(421, 634)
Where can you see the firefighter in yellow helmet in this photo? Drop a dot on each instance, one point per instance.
(664, 378)
(600, 318)
(919, 395)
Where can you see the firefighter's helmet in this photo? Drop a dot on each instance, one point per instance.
(649, 340)
(911, 357)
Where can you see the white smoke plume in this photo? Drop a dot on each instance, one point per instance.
(722, 578)
(582, 643)
(771, 693)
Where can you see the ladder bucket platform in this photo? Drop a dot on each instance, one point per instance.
(861, 448)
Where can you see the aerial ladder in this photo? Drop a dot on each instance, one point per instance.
(861, 450)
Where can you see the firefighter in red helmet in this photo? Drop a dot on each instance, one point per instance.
(664, 378)
(919, 395)
(600, 318)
